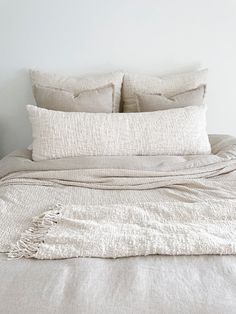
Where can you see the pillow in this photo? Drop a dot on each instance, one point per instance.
(58, 134)
(168, 85)
(96, 100)
(195, 97)
(74, 85)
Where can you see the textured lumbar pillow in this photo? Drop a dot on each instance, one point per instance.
(96, 100)
(167, 85)
(51, 90)
(148, 102)
(59, 134)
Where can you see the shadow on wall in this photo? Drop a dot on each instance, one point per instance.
(14, 95)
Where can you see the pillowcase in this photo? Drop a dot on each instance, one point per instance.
(168, 85)
(73, 85)
(96, 100)
(58, 134)
(195, 97)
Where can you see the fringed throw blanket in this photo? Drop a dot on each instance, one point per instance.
(119, 206)
(111, 231)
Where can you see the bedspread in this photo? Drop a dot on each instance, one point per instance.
(29, 188)
(149, 284)
(143, 285)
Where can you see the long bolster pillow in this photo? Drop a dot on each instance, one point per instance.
(59, 134)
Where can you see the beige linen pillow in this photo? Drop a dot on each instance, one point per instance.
(169, 86)
(147, 102)
(43, 82)
(58, 134)
(96, 100)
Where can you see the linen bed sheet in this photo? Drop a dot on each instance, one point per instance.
(152, 284)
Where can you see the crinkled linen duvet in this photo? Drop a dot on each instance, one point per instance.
(160, 233)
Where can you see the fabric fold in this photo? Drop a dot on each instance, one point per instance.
(166, 228)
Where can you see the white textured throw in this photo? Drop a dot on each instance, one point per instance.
(170, 228)
(169, 132)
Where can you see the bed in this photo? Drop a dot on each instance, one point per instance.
(141, 284)
(112, 212)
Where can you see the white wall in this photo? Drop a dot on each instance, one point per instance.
(156, 36)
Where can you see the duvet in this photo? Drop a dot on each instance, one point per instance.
(120, 207)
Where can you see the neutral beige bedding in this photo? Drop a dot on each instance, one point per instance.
(142, 285)
(29, 188)
(121, 230)
(149, 284)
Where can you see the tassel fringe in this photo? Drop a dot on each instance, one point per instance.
(32, 238)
